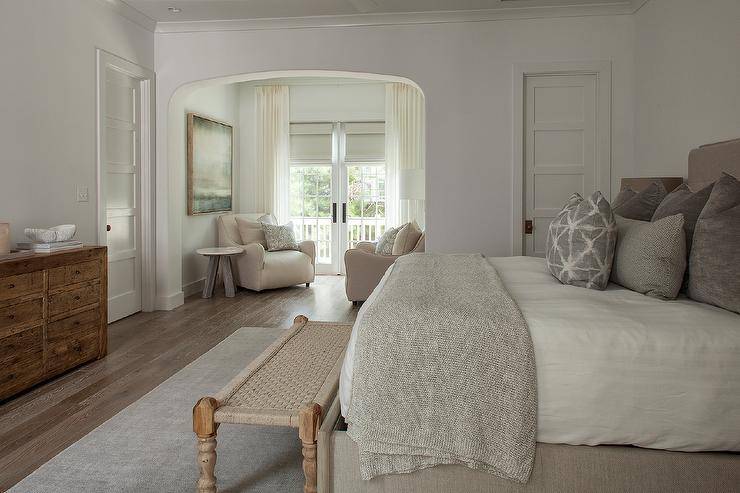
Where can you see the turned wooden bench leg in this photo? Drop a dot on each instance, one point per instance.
(308, 427)
(205, 428)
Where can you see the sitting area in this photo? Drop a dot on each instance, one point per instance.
(258, 268)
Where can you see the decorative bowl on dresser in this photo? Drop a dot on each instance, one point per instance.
(53, 315)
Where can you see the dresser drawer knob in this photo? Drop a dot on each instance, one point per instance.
(77, 298)
(77, 273)
(11, 286)
(11, 316)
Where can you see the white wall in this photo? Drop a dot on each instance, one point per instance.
(318, 102)
(221, 103)
(465, 71)
(47, 100)
(687, 80)
(337, 102)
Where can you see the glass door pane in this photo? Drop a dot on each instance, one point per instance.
(365, 203)
(310, 208)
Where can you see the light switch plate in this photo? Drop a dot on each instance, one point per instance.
(82, 194)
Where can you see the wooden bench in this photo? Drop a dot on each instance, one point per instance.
(290, 384)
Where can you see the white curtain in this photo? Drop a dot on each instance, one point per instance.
(404, 154)
(273, 148)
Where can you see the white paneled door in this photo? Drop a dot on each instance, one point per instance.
(560, 148)
(120, 187)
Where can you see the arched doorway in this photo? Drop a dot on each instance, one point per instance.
(172, 252)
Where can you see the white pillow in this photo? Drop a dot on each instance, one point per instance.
(406, 239)
(251, 231)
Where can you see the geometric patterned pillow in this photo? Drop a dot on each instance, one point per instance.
(385, 243)
(650, 257)
(581, 241)
(280, 237)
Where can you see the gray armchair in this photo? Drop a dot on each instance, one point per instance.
(365, 268)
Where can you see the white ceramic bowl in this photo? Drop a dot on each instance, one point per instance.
(63, 232)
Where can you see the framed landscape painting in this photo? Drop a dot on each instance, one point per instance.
(210, 145)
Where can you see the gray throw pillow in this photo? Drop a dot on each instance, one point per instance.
(280, 237)
(683, 201)
(650, 257)
(580, 242)
(714, 264)
(639, 205)
(385, 243)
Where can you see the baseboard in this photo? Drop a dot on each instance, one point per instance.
(169, 302)
(193, 287)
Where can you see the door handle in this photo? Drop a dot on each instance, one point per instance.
(528, 227)
(344, 212)
(107, 227)
(334, 212)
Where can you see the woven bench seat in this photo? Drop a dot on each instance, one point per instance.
(289, 384)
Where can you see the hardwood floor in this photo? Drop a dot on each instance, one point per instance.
(143, 351)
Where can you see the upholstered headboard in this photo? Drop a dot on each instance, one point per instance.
(706, 163)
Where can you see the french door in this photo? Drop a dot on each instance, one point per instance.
(337, 187)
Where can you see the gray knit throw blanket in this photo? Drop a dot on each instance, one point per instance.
(444, 372)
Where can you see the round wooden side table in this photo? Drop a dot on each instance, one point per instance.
(223, 256)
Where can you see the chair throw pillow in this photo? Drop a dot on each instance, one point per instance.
(580, 242)
(650, 257)
(406, 239)
(280, 237)
(714, 264)
(251, 231)
(639, 205)
(386, 241)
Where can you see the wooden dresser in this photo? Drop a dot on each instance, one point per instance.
(53, 315)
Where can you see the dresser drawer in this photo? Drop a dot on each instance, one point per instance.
(21, 284)
(24, 313)
(65, 301)
(21, 360)
(70, 274)
(72, 341)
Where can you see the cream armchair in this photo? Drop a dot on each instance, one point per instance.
(258, 269)
(365, 268)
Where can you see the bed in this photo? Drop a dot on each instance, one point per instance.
(633, 393)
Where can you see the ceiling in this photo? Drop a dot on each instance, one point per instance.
(212, 10)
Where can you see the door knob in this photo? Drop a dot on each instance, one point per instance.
(528, 227)
(107, 227)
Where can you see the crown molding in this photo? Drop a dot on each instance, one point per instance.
(127, 11)
(400, 18)
(385, 19)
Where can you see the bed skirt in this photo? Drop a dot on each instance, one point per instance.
(557, 468)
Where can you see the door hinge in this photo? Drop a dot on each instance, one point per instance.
(528, 227)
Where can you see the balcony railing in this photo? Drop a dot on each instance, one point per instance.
(318, 229)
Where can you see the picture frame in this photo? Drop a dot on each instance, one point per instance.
(210, 155)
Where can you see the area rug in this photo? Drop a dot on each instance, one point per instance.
(150, 445)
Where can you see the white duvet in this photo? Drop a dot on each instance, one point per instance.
(618, 367)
